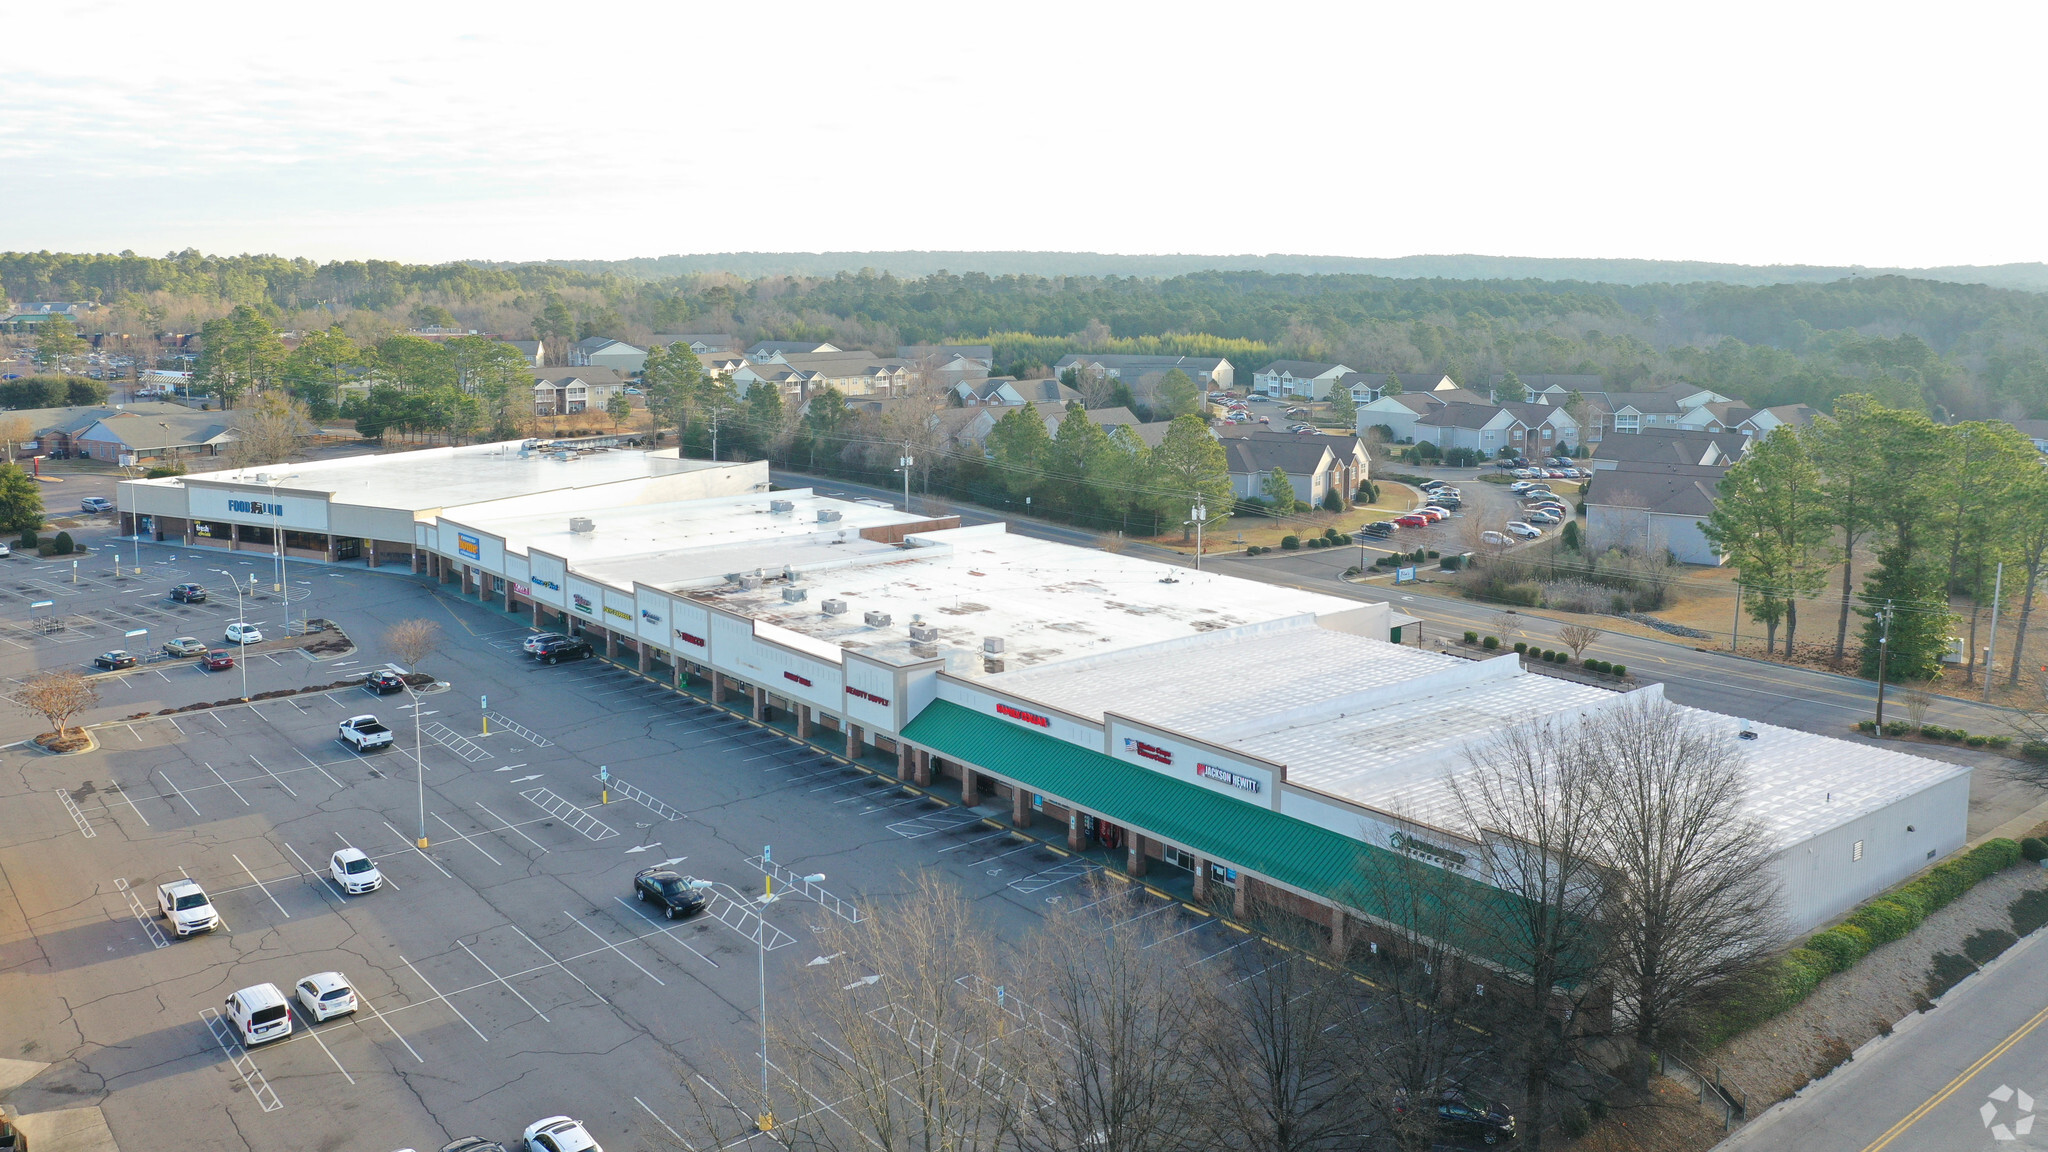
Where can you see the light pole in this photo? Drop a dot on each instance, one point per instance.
(1884, 644)
(419, 762)
(766, 1120)
(1200, 514)
(277, 539)
(241, 635)
(903, 464)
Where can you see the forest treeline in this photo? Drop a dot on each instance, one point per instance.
(1951, 350)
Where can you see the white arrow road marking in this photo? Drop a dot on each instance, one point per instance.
(643, 847)
(824, 959)
(524, 779)
(509, 767)
(861, 981)
(673, 860)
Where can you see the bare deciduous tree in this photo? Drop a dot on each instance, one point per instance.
(1917, 700)
(1691, 899)
(14, 432)
(57, 697)
(1578, 637)
(269, 430)
(1505, 623)
(412, 641)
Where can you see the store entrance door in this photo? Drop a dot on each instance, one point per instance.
(347, 547)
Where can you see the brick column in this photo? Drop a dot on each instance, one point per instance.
(373, 552)
(1134, 855)
(803, 721)
(718, 688)
(611, 644)
(509, 606)
(905, 757)
(852, 740)
(970, 786)
(1074, 840)
(1020, 806)
(760, 704)
(1340, 944)
(675, 668)
(923, 765)
(1201, 880)
(1241, 905)
(646, 659)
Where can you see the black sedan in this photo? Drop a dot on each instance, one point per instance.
(567, 648)
(1465, 1122)
(384, 682)
(115, 659)
(188, 594)
(678, 895)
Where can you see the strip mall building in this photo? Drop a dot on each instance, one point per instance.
(1258, 737)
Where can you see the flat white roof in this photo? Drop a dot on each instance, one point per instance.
(1049, 602)
(444, 477)
(653, 542)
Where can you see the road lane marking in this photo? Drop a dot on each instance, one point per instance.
(1962, 1078)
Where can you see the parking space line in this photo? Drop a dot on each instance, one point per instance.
(230, 787)
(373, 859)
(416, 848)
(658, 1120)
(326, 880)
(259, 885)
(217, 720)
(465, 839)
(116, 784)
(365, 1002)
(507, 983)
(274, 776)
(318, 768)
(559, 964)
(511, 827)
(615, 948)
(309, 1030)
(1024, 847)
(445, 1000)
(668, 930)
(973, 842)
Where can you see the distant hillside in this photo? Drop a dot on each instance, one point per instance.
(752, 265)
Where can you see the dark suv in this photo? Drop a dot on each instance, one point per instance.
(1379, 529)
(567, 648)
(677, 894)
(188, 594)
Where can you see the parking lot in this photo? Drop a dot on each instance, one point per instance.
(505, 972)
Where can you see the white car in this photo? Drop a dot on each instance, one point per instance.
(1542, 516)
(1496, 538)
(354, 872)
(559, 1134)
(1525, 531)
(325, 995)
(243, 632)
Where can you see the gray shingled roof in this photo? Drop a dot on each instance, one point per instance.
(1668, 489)
(1299, 455)
(1668, 446)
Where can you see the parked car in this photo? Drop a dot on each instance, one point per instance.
(1491, 537)
(567, 648)
(533, 643)
(1541, 517)
(188, 593)
(1412, 521)
(96, 504)
(1297, 412)
(1520, 486)
(243, 632)
(470, 1144)
(259, 1015)
(1466, 1122)
(1434, 513)
(1378, 529)
(186, 906)
(218, 660)
(185, 646)
(384, 682)
(678, 895)
(364, 733)
(115, 659)
(325, 995)
(354, 872)
(1525, 531)
(559, 1134)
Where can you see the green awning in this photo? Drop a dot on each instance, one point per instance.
(1292, 852)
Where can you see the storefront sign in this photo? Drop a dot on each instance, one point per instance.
(611, 611)
(1226, 776)
(1020, 714)
(255, 507)
(469, 545)
(1148, 751)
(797, 678)
(686, 638)
(1444, 856)
(519, 589)
(870, 697)
(202, 528)
(546, 583)
(582, 603)
(650, 617)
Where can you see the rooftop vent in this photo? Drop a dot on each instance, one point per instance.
(582, 525)
(1748, 732)
(924, 633)
(827, 515)
(992, 645)
(782, 505)
(877, 619)
(833, 607)
(792, 595)
(750, 582)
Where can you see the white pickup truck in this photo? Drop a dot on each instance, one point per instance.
(363, 733)
(185, 905)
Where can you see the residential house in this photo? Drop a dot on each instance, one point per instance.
(1310, 465)
(54, 430)
(1401, 413)
(1350, 463)
(2035, 430)
(1008, 391)
(1366, 387)
(565, 391)
(155, 437)
(1550, 387)
(1107, 419)
(532, 350)
(1670, 446)
(1764, 421)
(853, 373)
(1654, 507)
(1552, 430)
(1481, 428)
(948, 364)
(775, 350)
(1298, 378)
(598, 352)
(1142, 373)
(698, 342)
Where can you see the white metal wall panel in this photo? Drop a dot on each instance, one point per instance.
(547, 577)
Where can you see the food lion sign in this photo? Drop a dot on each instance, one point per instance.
(205, 503)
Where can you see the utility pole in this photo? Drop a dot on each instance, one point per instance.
(1884, 646)
(1991, 649)
(903, 464)
(1200, 513)
(1735, 629)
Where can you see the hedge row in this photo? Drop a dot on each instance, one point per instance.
(1880, 921)
(1937, 732)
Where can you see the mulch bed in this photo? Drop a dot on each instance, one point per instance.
(51, 742)
(415, 679)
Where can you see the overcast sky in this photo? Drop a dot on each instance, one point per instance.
(1771, 133)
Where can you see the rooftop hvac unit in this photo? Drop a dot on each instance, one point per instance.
(877, 619)
(782, 505)
(924, 633)
(827, 515)
(833, 607)
(582, 525)
(750, 582)
(792, 595)
(992, 645)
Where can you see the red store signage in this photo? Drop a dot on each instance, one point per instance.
(797, 678)
(870, 697)
(686, 638)
(1020, 714)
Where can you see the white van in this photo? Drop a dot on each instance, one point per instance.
(260, 1014)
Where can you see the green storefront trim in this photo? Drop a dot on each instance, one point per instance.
(1291, 852)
